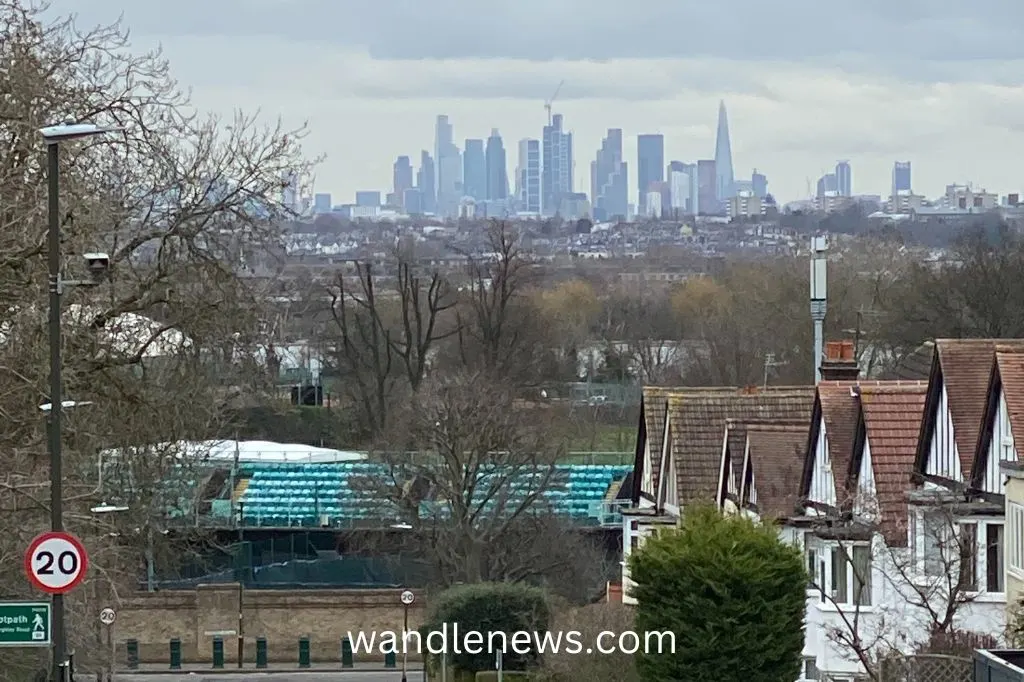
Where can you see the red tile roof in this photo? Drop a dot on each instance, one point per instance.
(891, 417)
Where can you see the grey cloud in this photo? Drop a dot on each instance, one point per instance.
(901, 34)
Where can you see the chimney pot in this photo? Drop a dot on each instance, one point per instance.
(840, 362)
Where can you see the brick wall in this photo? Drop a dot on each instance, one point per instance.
(281, 616)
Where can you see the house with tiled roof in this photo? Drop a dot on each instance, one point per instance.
(773, 459)
(997, 474)
(689, 460)
(965, 438)
(898, 514)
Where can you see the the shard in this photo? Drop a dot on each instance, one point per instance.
(723, 157)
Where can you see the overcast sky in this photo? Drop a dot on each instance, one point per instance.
(936, 82)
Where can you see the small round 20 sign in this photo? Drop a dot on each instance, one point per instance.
(56, 562)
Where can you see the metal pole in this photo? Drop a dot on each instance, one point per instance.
(405, 641)
(241, 578)
(53, 436)
(113, 652)
(444, 663)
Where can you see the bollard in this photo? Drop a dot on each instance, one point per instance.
(390, 660)
(304, 652)
(218, 652)
(261, 652)
(132, 653)
(175, 654)
(346, 653)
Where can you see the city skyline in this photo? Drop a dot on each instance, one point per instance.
(803, 101)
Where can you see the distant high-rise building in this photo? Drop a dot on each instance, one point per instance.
(528, 176)
(290, 191)
(759, 184)
(689, 171)
(679, 192)
(474, 170)
(401, 177)
(707, 188)
(609, 187)
(723, 157)
(448, 164)
(497, 168)
(368, 198)
(844, 179)
(322, 203)
(412, 201)
(426, 183)
(556, 170)
(650, 166)
(826, 185)
(901, 177)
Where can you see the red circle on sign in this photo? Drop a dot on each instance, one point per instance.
(76, 545)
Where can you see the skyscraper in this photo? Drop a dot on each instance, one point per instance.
(650, 165)
(528, 176)
(901, 177)
(827, 183)
(448, 164)
(401, 177)
(426, 182)
(723, 158)
(844, 179)
(497, 168)
(707, 198)
(474, 170)
(556, 171)
(609, 187)
(759, 184)
(322, 203)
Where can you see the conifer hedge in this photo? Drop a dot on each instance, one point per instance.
(731, 591)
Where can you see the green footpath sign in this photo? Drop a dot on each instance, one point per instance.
(24, 623)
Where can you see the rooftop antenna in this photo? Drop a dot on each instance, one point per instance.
(551, 100)
(769, 364)
(819, 282)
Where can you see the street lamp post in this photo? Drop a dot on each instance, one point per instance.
(54, 135)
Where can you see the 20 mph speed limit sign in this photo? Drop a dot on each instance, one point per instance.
(56, 562)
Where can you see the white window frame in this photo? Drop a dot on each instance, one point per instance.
(834, 557)
(809, 669)
(926, 569)
(1013, 539)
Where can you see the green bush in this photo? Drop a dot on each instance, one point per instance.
(489, 608)
(731, 591)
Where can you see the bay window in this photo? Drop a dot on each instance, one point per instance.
(974, 547)
(842, 572)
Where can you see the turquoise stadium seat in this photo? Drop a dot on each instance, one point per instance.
(282, 494)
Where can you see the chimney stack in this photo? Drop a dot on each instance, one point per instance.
(840, 362)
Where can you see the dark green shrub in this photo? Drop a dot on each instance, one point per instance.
(490, 609)
(731, 591)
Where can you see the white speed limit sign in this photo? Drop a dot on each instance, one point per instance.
(56, 562)
(107, 616)
(408, 597)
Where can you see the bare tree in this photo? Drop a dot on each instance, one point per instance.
(926, 588)
(646, 328)
(188, 209)
(498, 332)
(474, 491)
(383, 338)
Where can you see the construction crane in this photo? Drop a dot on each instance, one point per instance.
(550, 101)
